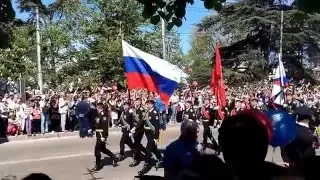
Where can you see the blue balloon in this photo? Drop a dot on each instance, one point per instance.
(284, 127)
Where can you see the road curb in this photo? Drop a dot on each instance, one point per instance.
(60, 135)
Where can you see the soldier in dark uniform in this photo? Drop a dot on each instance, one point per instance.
(138, 133)
(304, 143)
(189, 113)
(207, 120)
(126, 120)
(152, 131)
(292, 103)
(102, 132)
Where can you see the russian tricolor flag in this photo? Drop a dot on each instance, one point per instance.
(280, 83)
(144, 70)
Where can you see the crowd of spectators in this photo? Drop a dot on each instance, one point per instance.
(55, 112)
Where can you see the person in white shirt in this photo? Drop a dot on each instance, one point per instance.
(20, 107)
(63, 110)
(174, 100)
(10, 101)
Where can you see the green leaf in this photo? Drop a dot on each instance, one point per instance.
(162, 14)
(147, 12)
(177, 21)
(155, 19)
(209, 4)
(169, 8)
(161, 3)
(191, 2)
(180, 12)
(168, 16)
(170, 26)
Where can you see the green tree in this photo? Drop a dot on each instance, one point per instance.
(174, 11)
(7, 16)
(253, 32)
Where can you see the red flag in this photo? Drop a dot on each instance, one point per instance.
(217, 83)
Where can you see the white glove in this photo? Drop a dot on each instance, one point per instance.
(199, 147)
(102, 139)
(130, 134)
(133, 130)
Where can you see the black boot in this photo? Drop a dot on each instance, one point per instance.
(115, 161)
(158, 164)
(146, 168)
(217, 151)
(134, 163)
(121, 157)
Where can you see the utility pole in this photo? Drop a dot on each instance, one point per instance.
(164, 51)
(40, 81)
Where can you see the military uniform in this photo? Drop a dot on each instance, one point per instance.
(207, 113)
(102, 132)
(138, 135)
(126, 121)
(190, 114)
(303, 144)
(152, 131)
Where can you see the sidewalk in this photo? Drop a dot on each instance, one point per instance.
(65, 134)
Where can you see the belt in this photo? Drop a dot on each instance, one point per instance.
(147, 128)
(205, 120)
(99, 130)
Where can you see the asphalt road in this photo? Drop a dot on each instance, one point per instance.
(70, 157)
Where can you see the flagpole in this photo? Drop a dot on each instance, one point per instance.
(281, 37)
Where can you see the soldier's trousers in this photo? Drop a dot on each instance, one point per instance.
(208, 134)
(99, 148)
(138, 147)
(151, 148)
(125, 139)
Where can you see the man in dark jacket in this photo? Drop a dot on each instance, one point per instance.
(303, 144)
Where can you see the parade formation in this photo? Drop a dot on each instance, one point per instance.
(242, 101)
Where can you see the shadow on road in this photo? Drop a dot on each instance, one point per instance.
(3, 140)
(91, 173)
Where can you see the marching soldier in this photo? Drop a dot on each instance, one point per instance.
(304, 143)
(207, 119)
(126, 121)
(138, 133)
(189, 113)
(152, 131)
(102, 132)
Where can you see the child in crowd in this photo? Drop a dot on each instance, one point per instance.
(14, 125)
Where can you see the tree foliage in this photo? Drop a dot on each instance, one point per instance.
(81, 40)
(249, 32)
(7, 16)
(174, 11)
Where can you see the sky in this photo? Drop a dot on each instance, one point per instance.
(194, 14)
